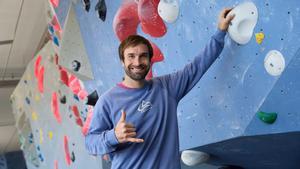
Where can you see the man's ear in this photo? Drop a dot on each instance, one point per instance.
(122, 62)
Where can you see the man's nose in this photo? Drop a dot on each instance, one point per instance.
(137, 61)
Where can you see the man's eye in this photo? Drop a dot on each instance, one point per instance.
(144, 55)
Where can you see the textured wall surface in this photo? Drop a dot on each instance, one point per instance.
(219, 116)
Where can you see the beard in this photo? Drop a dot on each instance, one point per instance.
(137, 75)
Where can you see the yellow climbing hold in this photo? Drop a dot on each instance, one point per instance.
(41, 136)
(259, 37)
(28, 77)
(37, 98)
(34, 116)
(50, 135)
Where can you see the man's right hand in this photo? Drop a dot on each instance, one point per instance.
(126, 132)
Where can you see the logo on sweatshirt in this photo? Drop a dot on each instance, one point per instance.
(144, 106)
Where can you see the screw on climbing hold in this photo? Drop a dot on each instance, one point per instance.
(92, 98)
(76, 65)
(86, 5)
(101, 8)
(63, 100)
(259, 37)
(269, 118)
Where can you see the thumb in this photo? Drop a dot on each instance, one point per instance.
(123, 116)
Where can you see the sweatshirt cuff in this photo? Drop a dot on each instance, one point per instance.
(111, 138)
(219, 35)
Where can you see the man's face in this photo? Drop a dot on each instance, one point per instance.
(136, 62)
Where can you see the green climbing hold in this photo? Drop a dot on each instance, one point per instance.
(267, 117)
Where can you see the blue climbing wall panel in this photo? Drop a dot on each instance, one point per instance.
(220, 113)
(227, 98)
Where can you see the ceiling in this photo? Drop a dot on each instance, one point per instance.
(23, 31)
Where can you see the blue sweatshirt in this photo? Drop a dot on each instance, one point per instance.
(152, 109)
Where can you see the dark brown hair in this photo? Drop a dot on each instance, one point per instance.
(134, 40)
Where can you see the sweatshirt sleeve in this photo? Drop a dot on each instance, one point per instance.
(182, 81)
(101, 137)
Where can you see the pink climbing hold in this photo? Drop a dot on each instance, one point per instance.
(55, 108)
(64, 77)
(37, 65)
(40, 79)
(55, 23)
(54, 3)
(151, 22)
(55, 164)
(67, 153)
(77, 116)
(74, 84)
(56, 59)
(82, 94)
(157, 55)
(150, 74)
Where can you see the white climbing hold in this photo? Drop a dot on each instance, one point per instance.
(242, 26)
(192, 157)
(274, 63)
(168, 10)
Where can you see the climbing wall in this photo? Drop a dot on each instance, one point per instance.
(2, 162)
(51, 114)
(239, 99)
(237, 83)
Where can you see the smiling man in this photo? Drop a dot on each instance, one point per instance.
(135, 122)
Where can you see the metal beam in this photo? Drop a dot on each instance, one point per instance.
(8, 83)
(7, 123)
(5, 42)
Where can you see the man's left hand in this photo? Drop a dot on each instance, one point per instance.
(225, 19)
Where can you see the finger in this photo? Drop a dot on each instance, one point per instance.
(135, 140)
(123, 116)
(130, 135)
(225, 12)
(129, 125)
(128, 130)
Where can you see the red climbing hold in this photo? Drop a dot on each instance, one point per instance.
(157, 55)
(82, 94)
(55, 23)
(64, 77)
(87, 123)
(77, 116)
(151, 22)
(37, 65)
(55, 164)
(40, 79)
(54, 3)
(55, 108)
(74, 84)
(67, 153)
(126, 20)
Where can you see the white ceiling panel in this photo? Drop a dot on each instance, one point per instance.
(13, 144)
(31, 28)
(6, 116)
(9, 12)
(4, 52)
(8, 133)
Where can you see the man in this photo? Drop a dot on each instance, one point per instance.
(135, 122)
